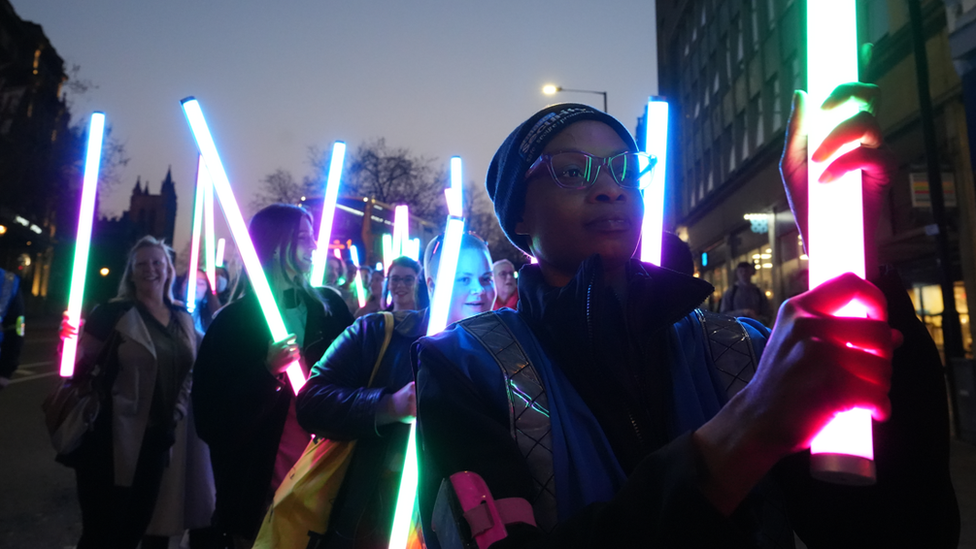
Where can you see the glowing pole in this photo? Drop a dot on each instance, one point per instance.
(232, 213)
(440, 305)
(653, 181)
(198, 207)
(208, 233)
(401, 229)
(412, 249)
(388, 255)
(329, 199)
(86, 213)
(360, 293)
(843, 451)
(219, 260)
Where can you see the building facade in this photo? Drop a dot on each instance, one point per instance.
(729, 68)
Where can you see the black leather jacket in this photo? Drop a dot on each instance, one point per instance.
(336, 403)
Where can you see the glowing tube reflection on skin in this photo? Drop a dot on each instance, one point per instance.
(440, 305)
(232, 213)
(198, 207)
(208, 232)
(86, 214)
(219, 260)
(653, 181)
(360, 293)
(843, 451)
(330, 197)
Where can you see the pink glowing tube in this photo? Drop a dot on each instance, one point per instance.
(238, 229)
(86, 213)
(843, 452)
(198, 207)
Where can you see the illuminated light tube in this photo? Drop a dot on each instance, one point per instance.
(843, 451)
(388, 255)
(329, 199)
(401, 229)
(198, 207)
(360, 293)
(86, 214)
(208, 233)
(219, 260)
(232, 213)
(337, 254)
(439, 308)
(413, 249)
(652, 182)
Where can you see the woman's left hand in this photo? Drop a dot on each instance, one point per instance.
(877, 163)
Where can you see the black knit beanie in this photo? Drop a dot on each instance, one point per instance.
(506, 174)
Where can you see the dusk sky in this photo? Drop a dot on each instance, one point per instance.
(440, 78)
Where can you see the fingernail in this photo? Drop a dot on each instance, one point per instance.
(826, 177)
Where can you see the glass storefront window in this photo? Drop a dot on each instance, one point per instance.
(929, 306)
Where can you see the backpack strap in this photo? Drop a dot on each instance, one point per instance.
(731, 349)
(529, 421)
(387, 336)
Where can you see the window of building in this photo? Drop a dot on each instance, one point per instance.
(777, 106)
(929, 307)
(754, 9)
(877, 19)
(771, 13)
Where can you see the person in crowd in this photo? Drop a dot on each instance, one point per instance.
(598, 412)
(336, 277)
(676, 255)
(339, 403)
(374, 303)
(146, 343)
(745, 298)
(348, 288)
(244, 405)
(207, 303)
(11, 325)
(506, 289)
(224, 287)
(404, 284)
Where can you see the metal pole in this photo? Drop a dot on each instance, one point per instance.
(605, 102)
(951, 328)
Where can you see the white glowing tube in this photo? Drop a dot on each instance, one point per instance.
(208, 234)
(440, 305)
(86, 214)
(198, 207)
(653, 181)
(329, 199)
(843, 451)
(219, 260)
(232, 213)
(388, 255)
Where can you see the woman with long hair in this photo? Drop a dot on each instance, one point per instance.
(406, 286)
(245, 408)
(145, 344)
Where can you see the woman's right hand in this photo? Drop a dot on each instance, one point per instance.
(281, 355)
(400, 407)
(67, 329)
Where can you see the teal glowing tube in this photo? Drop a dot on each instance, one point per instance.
(329, 199)
(198, 207)
(843, 452)
(86, 214)
(656, 145)
(238, 229)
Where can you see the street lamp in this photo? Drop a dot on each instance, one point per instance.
(552, 89)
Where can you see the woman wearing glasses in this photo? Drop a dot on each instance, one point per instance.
(340, 403)
(609, 412)
(403, 283)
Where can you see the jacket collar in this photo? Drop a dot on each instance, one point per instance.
(411, 324)
(667, 295)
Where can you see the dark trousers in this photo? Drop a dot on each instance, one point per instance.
(115, 517)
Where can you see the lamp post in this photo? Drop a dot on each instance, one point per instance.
(551, 89)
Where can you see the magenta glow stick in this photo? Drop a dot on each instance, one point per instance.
(198, 207)
(238, 229)
(86, 214)
(843, 452)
